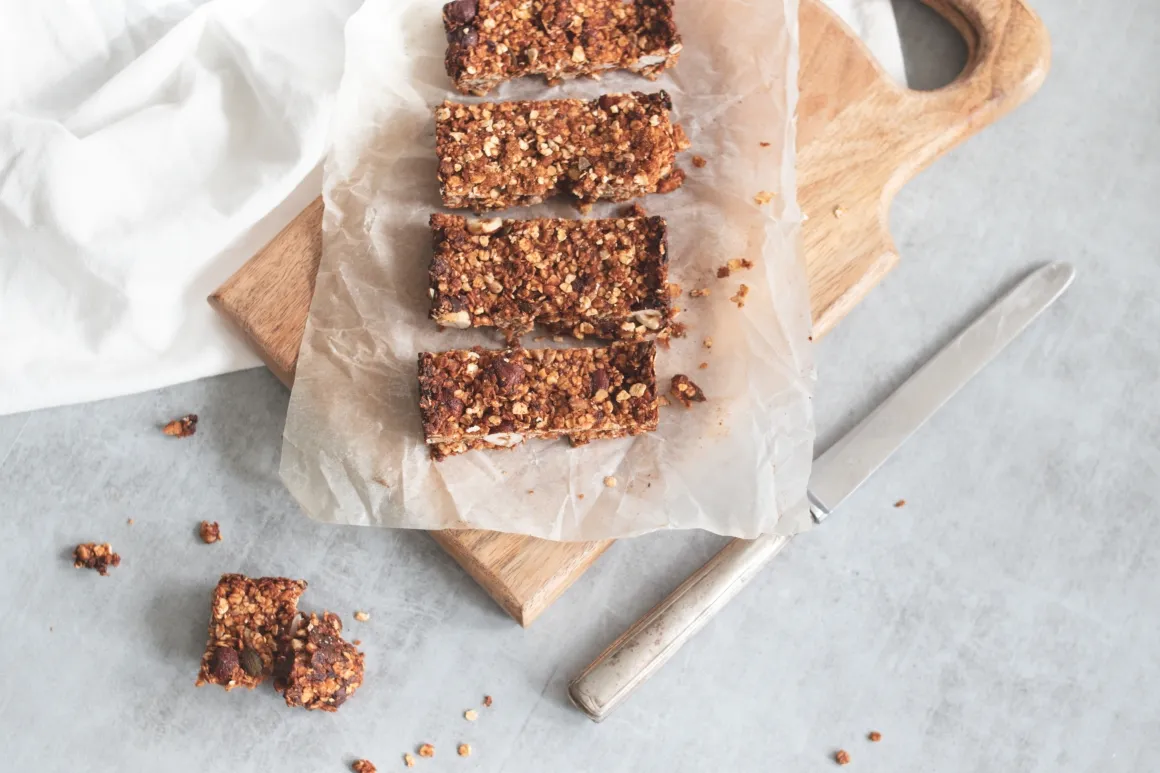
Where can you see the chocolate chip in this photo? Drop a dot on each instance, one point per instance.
(505, 426)
(460, 12)
(223, 663)
(468, 37)
(599, 380)
(251, 662)
(454, 405)
(508, 374)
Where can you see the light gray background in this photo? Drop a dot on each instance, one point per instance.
(1005, 620)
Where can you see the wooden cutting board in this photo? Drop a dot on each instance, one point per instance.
(860, 138)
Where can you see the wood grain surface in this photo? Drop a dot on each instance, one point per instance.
(860, 138)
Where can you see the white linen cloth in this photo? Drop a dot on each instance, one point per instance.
(147, 149)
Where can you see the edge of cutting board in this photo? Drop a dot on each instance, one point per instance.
(860, 138)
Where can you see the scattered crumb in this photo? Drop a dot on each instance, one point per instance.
(363, 766)
(426, 750)
(677, 310)
(90, 555)
(531, 491)
(408, 760)
(722, 272)
(699, 162)
(183, 427)
(875, 736)
(673, 289)
(362, 616)
(763, 197)
(700, 292)
(736, 264)
(703, 366)
(210, 532)
(763, 144)
(130, 521)
(464, 750)
(686, 391)
(662, 402)
(379, 480)
(610, 482)
(678, 329)
(900, 503)
(487, 700)
(584, 208)
(471, 715)
(673, 181)
(842, 757)
(634, 210)
(838, 212)
(356, 642)
(537, 339)
(708, 342)
(558, 339)
(739, 298)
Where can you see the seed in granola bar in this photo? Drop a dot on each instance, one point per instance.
(251, 662)
(91, 555)
(610, 482)
(686, 391)
(487, 701)
(426, 750)
(842, 757)
(875, 736)
(699, 162)
(210, 532)
(471, 715)
(700, 292)
(362, 616)
(763, 197)
(363, 766)
(739, 298)
(183, 427)
(464, 750)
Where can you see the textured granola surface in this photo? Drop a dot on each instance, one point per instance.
(319, 670)
(249, 620)
(600, 278)
(491, 41)
(496, 399)
(497, 155)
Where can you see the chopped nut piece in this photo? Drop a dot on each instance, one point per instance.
(493, 42)
(673, 289)
(464, 750)
(409, 760)
(361, 616)
(610, 482)
(91, 555)
(739, 298)
(708, 343)
(875, 736)
(686, 391)
(900, 503)
(700, 292)
(210, 532)
(842, 757)
(363, 766)
(487, 700)
(763, 144)
(763, 197)
(183, 427)
(471, 715)
(663, 402)
(703, 366)
(319, 670)
(426, 750)
(699, 162)
(508, 154)
(247, 616)
(839, 212)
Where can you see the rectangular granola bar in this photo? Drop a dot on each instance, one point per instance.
(319, 669)
(601, 278)
(249, 620)
(495, 41)
(475, 398)
(497, 155)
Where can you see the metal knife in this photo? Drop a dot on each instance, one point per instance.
(838, 472)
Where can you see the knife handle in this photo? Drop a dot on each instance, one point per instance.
(657, 636)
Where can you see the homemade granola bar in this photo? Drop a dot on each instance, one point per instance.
(601, 278)
(319, 670)
(496, 40)
(507, 154)
(249, 620)
(497, 399)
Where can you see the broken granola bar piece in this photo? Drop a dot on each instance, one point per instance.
(477, 399)
(686, 391)
(598, 278)
(495, 41)
(249, 620)
(183, 427)
(320, 669)
(509, 154)
(98, 556)
(210, 532)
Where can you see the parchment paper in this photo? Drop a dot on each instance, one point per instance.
(736, 464)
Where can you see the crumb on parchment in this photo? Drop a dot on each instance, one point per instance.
(686, 391)
(900, 503)
(763, 197)
(875, 736)
(739, 298)
(210, 532)
(708, 342)
(183, 427)
(699, 162)
(700, 292)
(610, 482)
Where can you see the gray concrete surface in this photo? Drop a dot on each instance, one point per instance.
(1006, 619)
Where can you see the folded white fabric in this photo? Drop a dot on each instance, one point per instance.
(147, 149)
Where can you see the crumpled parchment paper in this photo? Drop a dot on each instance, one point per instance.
(736, 465)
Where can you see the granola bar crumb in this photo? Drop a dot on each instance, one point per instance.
(739, 298)
(426, 750)
(763, 197)
(579, 496)
(699, 162)
(487, 700)
(673, 289)
(723, 272)
(900, 503)
(363, 766)
(763, 144)
(130, 521)
(679, 329)
(839, 212)
(700, 292)
(842, 757)
(319, 670)
(610, 482)
(736, 264)
(703, 366)
(875, 736)
(663, 402)
(708, 343)
(471, 715)
(210, 532)
(362, 616)
(91, 555)
(183, 427)
(464, 750)
(409, 760)
(634, 210)
(686, 391)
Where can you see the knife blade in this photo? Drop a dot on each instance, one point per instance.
(651, 641)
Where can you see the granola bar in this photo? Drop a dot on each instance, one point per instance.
(471, 399)
(495, 41)
(249, 620)
(319, 670)
(508, 154)
(601, 278)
